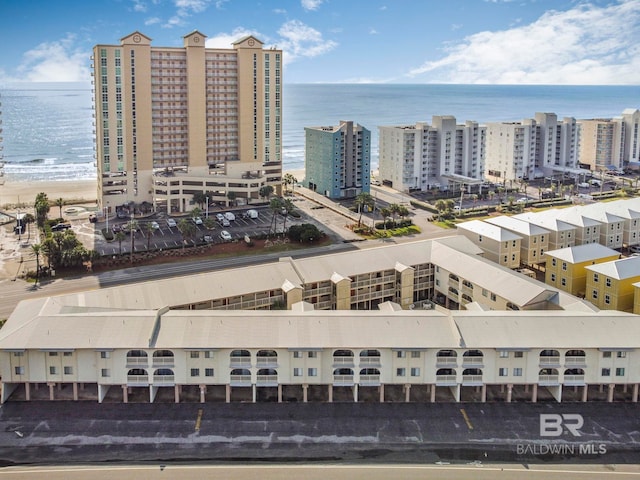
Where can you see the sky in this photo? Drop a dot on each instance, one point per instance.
(563, 42)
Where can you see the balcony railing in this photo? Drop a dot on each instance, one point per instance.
(139, 361)
(267, 361)
(240, 380)
(267, 380)
(444, 380)
(137, 380)
(369, 380)
(240, 362)
(574, 361)
(446, 361)
(164, 380)
(472, 380)
(574, 380)
(343, 361)
(163, 361)
(369, 360)
(472, 361)
(343, 380)
(546, 361)
(548, 380)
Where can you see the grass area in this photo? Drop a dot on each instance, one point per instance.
(445, 223)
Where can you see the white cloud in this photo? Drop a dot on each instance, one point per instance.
(152, 21)
(587, 44)
(373, 31)
(311, 4)
(225, 40)
(58, 61)
(300, 40)
(279, 11)
(186, 8)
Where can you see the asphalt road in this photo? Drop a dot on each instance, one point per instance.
(400, 433)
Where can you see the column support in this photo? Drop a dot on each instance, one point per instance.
(634, 395)
(203, 389)
(330, 393)
(176, 393)
(227, 396)
(51, 387)
(534, 393)
(610, 392)
(381, 388)
(407, 392)
(27, 391)
(585, 392)
(305, 393)
(75, 391)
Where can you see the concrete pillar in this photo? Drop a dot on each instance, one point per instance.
(203, 389)
(305, 393)
(634, 395)
(610, 392)
(227, 393)
(585, 392)
(51, 386)
(381, 388)
(125, 394)
(483, 395)
(509, 392)
(75, 391)
(253, 392)
(407, 393)
(534, 393)
(355, 393)
(279, 393)
(27, 391)
(176, 393)
(624, 388)
(433, 394)
(330, 393)
(526, 388)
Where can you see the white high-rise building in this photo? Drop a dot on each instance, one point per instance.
(602, 143)
(631, 122)
(423, 156)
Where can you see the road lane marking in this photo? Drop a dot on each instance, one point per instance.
(466, 418)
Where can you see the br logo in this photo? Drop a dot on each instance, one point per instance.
(554, 424)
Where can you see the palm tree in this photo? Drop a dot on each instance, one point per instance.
(120, 236)
(266, 191)
(60, 203)
(394, 208)
(133, 226)
(441, 206)
(36, 249)
(287, 208)
(187, 229)
(148, 232)
(403, 212)
(275, 205)
(200, 198)
(364, 199)
(42, 208)
(28, 219)
(289, 179)
(491, 195)
(232, 198)
(386, 213)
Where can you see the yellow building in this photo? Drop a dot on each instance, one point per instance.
(566, 267)
(610, 284)
(498, 244)
(175, 121)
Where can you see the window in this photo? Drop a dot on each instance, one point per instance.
(503, 372)
(195, 355)
(564, 266)
(19, 370)
(606, 354)
(312, 372)
(493, 297)
(105, 354)
(553, 262)
(484, 292)
(517, 372)
(553, 277)
(605, 372)
(504, 354)
(607, 299)
(18, 354)
(297, 354)
(68, 370)
(595, 278)
(621, 354)
(594, 294)
(312, 354)
(401, 354)
(563, 282)
(67, 354)
(619, 372)
(415, 354)
(53, 354)
(208, 372)
(415, 372)
(400, 372)
(195, 372)
(208, 354)
(608, 282)
(105, 372)
(297, 372)
(518, 354)
(53, 371)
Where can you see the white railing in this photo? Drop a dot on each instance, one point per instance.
(343, 379)
(472, 379)
(575, 361)
(240, 361)
(369, 379)
(240, 380)
(142, 380)
(266, 380)
(547, 379)
(163, 361)
(549, 360)
(369, 360)
(265, 361)
(446, 361)
(574, 379)
(164, 380)
(446, 379)
(343, 360)
(137, 360)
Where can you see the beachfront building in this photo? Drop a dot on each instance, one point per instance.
(514, 339)
(531, 148)
(534, 239)
(422, 157)
(602, 144)
(172, 122)
(631, 122)
(610, 284)
(498, 244)
(338, 160)
(566, 268)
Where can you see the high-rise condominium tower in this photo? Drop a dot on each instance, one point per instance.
(172, 122)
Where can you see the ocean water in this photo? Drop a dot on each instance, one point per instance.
(48, 128)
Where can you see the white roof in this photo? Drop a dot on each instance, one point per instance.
(576, 216)
(583, 253)
(488, 230)
(619, 269)
(517, 225)
(544, 220)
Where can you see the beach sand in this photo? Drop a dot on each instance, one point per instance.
(24, 193)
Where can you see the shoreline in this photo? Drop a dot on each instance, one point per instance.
(23, 193)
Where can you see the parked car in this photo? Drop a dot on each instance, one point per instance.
(207, 239)
(116, 228)
(219, 217)
(197, 220)
(155, 225)
(230, 216)
(595, 182)
(226, 236)
(634, 248)
(60, 227)
(251, 214)
(171, 223)
(224, 222)
(122, 214)
(376, 183)
(583, 184)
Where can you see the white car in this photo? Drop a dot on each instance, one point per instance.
(225, 223)
(197, 220)
(171, 223)
(219, 217)
(155, 225)
(230, 216)
(226, 236)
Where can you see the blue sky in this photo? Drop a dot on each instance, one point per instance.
(346, 41)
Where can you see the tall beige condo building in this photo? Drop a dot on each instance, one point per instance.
(175, 121)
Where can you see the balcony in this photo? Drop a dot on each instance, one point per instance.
(472, 380)
(265, 362)
(472, 361)
(240, 362)
(446, 380)
(574, 380)
(266, 380)
(137, 361)
(370, 361)
(343, 380)
(163, 361)
(446, 361)
(241, 380)
(137, 381)
(549, 361)
(343, 361)
(369, 380)
(575, 361)
(548, 380)
(164, 380)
